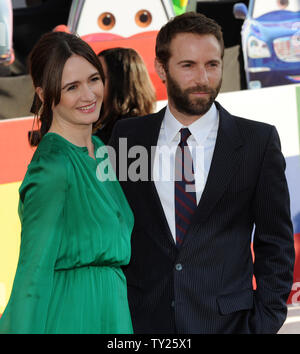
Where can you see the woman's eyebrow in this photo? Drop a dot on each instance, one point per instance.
(77, 81)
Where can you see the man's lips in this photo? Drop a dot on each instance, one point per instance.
(199, 91)
(199, 94)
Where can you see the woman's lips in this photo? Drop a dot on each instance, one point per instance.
(88, 108)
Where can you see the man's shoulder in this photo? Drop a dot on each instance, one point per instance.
(255, 132)
(246, 125)
(251, 124)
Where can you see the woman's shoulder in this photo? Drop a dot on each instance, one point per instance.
(47, 171)
(50, 162)
(50, 151)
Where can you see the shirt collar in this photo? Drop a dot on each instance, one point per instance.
(199, 129)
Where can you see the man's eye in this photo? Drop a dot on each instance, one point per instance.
(96, 78)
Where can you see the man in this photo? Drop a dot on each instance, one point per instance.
(191, 269)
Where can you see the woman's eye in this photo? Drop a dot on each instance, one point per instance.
(96, 78)
(106, 21)
(72, 87)
(143, 18)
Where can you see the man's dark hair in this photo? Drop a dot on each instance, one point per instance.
(189, 22)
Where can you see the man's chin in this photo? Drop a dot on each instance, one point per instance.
(198, 109)
(193, 112)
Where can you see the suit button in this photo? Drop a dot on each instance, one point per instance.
(173, 303)
(178, 266)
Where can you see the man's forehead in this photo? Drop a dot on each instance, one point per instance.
(190, 44)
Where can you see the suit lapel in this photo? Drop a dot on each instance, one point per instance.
(225, 162)
(148, 138)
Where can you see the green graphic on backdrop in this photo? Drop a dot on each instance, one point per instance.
(179, 6)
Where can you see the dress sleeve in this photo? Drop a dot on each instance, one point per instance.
(41, 209)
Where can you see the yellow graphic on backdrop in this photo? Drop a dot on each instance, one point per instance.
(9, 239)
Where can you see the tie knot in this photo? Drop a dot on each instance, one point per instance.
(185, 133)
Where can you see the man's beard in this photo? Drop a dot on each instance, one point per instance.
(182, 102)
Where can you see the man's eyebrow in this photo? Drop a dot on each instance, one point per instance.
(76, 81)
(215, 61)
(186, 61)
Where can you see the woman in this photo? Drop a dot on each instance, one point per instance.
(75, 229)
(128, 90)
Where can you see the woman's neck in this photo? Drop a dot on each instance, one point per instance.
(80, 135)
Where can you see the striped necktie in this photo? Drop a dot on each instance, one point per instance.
(185, 195)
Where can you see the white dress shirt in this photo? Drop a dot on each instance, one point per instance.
(201, 143)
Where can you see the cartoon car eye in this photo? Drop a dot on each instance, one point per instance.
(106, 21)
(143, 18)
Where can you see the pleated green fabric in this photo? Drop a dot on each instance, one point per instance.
(75, 238)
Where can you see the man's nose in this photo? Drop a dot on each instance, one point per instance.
(201, 75)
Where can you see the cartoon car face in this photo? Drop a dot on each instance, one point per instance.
(120, 18)
(114, 23)
(270, 41)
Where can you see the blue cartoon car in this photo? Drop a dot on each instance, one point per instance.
(270, 41)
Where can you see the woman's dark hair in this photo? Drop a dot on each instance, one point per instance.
(189, 22)
(130, 90)
(46, 63)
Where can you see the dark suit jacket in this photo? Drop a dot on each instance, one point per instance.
(206, 285)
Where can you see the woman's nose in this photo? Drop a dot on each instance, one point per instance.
(87, 94)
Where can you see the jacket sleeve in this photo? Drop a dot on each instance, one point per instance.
(273, 240)
(41, 209)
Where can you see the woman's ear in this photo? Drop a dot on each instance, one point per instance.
(39, 91)
(159, 68)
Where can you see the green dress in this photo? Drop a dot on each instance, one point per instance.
(75, 238)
